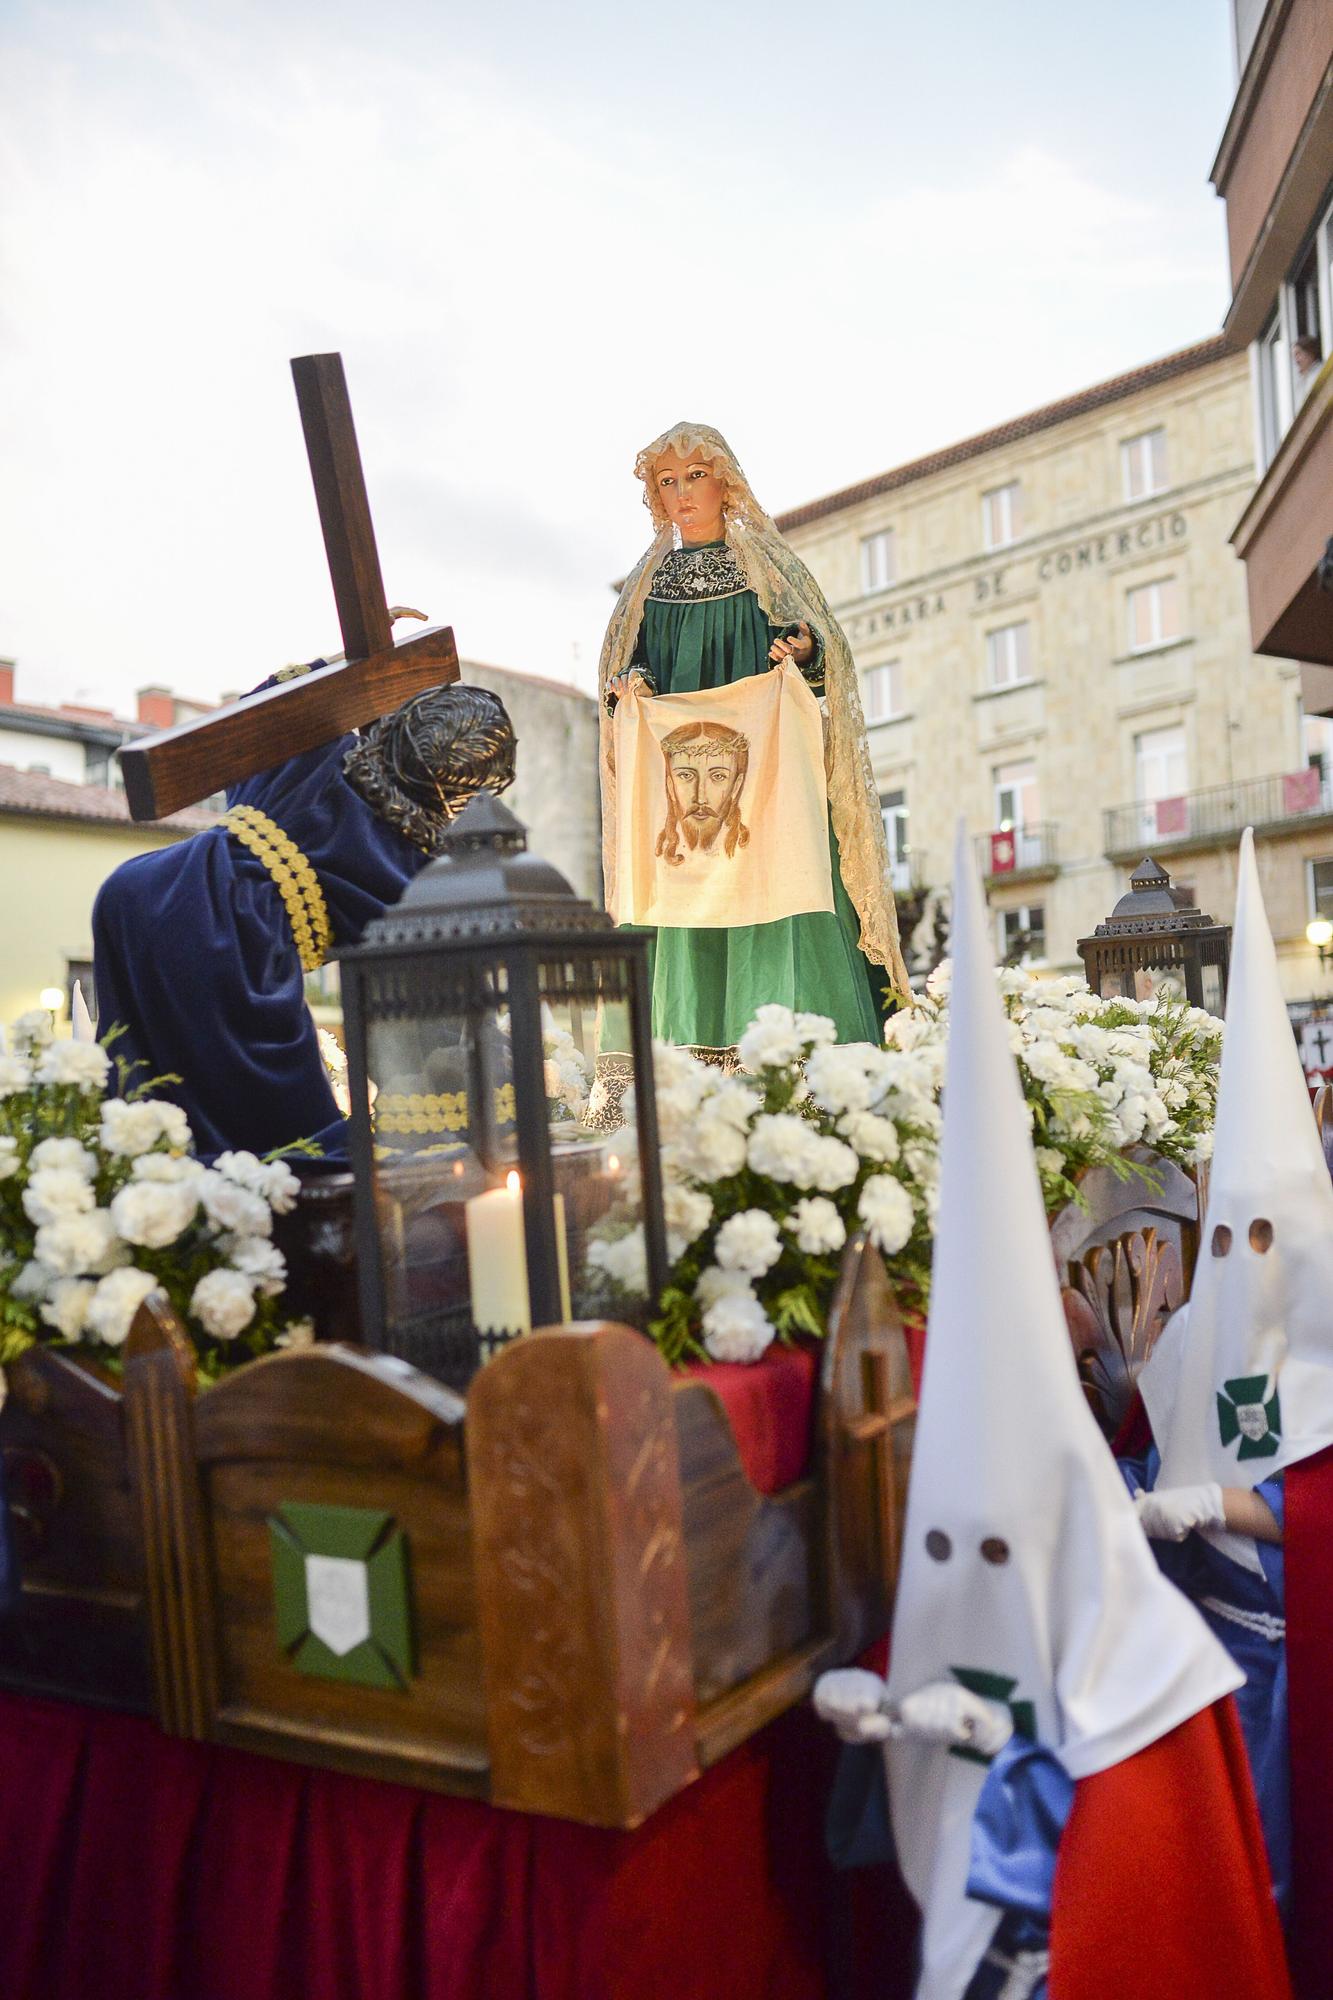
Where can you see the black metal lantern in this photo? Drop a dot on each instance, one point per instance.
(485, 1204)
(1153, 940)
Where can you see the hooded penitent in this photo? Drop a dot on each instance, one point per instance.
(1025, 1575)
(788, 594)
(1240, 1385)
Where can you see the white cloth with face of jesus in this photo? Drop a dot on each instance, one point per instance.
(723, 805)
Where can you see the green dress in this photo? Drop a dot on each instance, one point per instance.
(703, 627)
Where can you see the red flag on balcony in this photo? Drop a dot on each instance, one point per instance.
(1172, 818)
(1300, 791)
(1003, 852)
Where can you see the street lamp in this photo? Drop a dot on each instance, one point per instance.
(1319, 933)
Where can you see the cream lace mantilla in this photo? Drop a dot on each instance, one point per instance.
(788, 593)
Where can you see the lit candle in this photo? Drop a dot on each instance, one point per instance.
(497, 1260)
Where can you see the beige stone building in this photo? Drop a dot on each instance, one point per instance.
(1052, 634)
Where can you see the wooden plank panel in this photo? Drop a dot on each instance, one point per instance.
(178, 767)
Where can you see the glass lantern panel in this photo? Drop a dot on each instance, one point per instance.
(594, 1141)
(1159, 983)
(442, 1122)
(1212, 989)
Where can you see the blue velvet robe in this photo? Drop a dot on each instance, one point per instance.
(194, 957)
(1020, 1816)
(1204, 1573)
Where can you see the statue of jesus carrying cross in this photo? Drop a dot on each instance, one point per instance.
(201, 949)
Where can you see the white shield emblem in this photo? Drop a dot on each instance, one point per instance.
(1253, 1420)
(337, 1592)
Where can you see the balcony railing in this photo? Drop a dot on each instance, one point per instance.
(1018, 850)
(1218, 814)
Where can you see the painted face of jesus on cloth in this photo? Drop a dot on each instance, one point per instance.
(706, 768)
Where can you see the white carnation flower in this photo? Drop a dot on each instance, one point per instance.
(128, 1129)
(280, 1187)
(816, 1030)
(1049, 1160)
(297, 1333)
(782, 1147)
(736, 1328)
(33, 1281)
(80, 1243)
(748, 1242)
(714, 1148)
(234, 1207)
(9, 1157)
(155, 1213)
(15, 1075)
(848, 1077)
(733, 1102)
(817, 1226)
(166, 1167)
(246, 1169)
(832, 1165)
(67, 1307)
(260, 1260)
(55, 1192)
(771, 1041)
(885, 1208)
(625, 1262)
(83, 1064)
(33, 1030)
(114, 1303)
(688, 1213)
(70, 1154)
(874, 1138)
(714, 1283)
(223, 1302)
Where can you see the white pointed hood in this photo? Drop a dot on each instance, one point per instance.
(1025, 1573)
(1241, 1381)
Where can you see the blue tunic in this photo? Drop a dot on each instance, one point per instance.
(1020, 1815)
(194, 957)
(1248, 1614)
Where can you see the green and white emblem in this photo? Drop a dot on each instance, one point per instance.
(340, 1593)
(1243, 1412)
(995, 1687)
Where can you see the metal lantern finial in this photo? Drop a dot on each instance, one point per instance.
(1153, 937)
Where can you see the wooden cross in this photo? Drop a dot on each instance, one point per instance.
(176, 767)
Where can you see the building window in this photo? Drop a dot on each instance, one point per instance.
(882, 692)
(879, 564)
(1321, 888)
(1316, 743)
(1021, 934)
(1002, 515)
(1159, 765)
(1154, 614)
(1143, 463)
(893, 805)
(1009, 655)
(1308, 344)
(1274, 387)
(1016, 796)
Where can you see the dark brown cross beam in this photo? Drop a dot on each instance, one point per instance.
(176, 767)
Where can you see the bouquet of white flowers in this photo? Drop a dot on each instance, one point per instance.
(767, 1172)
(101, 1202)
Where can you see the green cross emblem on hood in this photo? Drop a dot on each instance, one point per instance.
(1243, 1412)
(995, 1687)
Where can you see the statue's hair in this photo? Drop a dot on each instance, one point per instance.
(417, 768)
(716, 736)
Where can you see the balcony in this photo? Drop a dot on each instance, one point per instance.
(1218, 815)
(1018, 853)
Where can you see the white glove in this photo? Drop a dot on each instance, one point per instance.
(947, 1713)
(853, 1701)
(1171, 1512)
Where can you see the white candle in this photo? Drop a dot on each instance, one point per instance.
(497, 1260)
(562, 1258)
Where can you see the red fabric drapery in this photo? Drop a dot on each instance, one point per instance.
(136, 1867)
(1308, 1572)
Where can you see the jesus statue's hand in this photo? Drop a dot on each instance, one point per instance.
(800, 650)
(397, 611)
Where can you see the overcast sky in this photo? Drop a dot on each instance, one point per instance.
(845, 233)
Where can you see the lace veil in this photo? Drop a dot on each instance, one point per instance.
(787, 592)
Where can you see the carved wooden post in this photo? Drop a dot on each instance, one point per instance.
(581, 1587)
(159, 1390)
(868, 1419)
